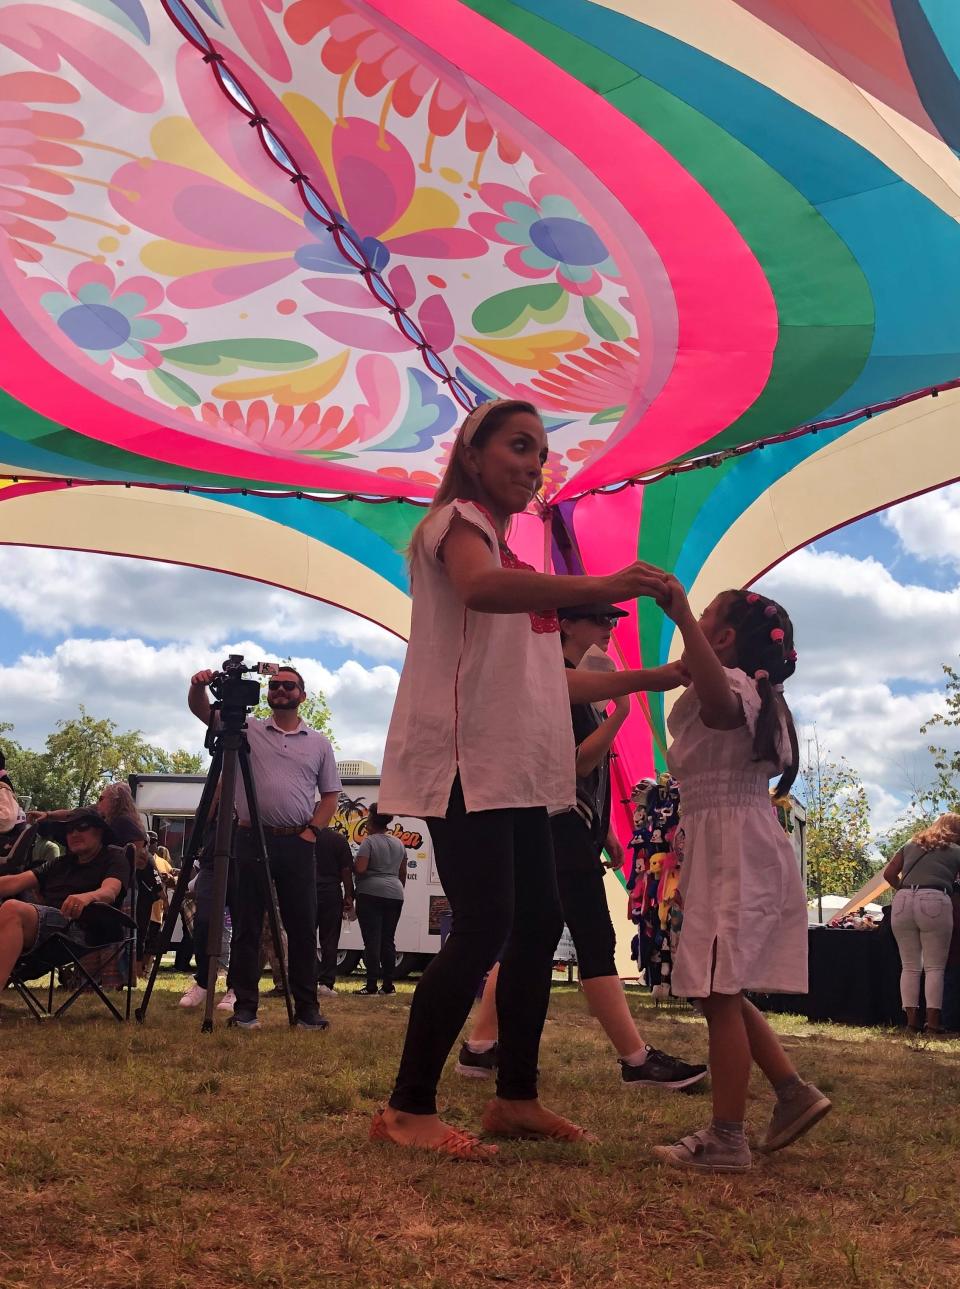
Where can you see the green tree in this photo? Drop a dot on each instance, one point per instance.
(943, 792)
(83, 754)
(32, 776)
(130, 753)
(314, 711)
(901, 832)
(838, 824)
(79, 751)
(184, 762)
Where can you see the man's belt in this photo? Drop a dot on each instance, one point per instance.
(293, 830)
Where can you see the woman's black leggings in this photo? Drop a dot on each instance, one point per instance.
(583, 897)
(497, 871)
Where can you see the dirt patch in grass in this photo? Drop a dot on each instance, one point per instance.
(156, 1157)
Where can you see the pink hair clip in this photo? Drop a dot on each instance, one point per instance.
(770, 611)
(760, 674)
(777, 634)
(753, 598)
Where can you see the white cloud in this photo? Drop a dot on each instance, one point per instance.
(855, 623)
(869, 674)
(928, 527)
(143, 686)
(62, 593)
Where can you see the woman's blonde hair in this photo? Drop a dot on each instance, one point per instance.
(944, 831)
(458, 481)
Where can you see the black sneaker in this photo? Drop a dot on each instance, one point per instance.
(311, 1020)
(367, 992)
(477, 1065)
(660, 1070)
(275, 992)
(387, 990)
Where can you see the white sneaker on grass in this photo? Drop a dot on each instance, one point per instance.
(227, 1002)
(195, 996)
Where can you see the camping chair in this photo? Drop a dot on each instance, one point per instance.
(108, 931)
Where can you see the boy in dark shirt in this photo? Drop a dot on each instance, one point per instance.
(53, 896)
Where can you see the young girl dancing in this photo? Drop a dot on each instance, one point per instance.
(744, 907)
(480, 745)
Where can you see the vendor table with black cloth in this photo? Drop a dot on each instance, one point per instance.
(854, 979)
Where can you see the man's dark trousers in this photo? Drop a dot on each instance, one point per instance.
(293, 867)
(329, 926)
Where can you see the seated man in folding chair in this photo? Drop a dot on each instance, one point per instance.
(49, 899)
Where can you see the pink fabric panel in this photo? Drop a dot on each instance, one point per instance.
(526, 540)
(30, 379)
(727, 313)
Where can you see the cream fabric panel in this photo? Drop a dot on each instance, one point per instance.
(183, 528)
(908, 450)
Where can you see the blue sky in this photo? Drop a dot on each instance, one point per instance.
(876, 607)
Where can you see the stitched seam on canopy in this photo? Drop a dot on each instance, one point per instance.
(276, 151)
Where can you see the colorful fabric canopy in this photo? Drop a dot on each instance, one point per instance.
(282, 245)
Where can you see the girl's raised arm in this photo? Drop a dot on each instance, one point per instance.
(719, 706)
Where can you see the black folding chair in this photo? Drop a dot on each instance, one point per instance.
(107, 931)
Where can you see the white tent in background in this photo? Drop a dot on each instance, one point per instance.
(835, 905)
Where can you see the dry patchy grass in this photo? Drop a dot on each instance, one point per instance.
(156, 1157)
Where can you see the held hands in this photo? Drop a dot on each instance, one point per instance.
(635, 580)
(670, 676)
(673, 598)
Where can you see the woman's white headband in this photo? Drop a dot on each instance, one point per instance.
(478, 416)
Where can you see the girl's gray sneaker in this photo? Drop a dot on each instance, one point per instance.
(795, 1113)
(704, 1152)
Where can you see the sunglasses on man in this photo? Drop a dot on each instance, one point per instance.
(288, 685)
(79, 828)
(601, 621)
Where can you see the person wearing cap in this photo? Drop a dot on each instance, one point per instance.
(51, 897)
(579, 838)
(480, 745)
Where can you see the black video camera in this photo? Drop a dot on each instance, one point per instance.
(235, 696)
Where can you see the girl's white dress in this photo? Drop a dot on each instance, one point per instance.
(740, 885)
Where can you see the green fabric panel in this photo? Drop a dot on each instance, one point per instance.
(669, 508)
(826, 324)
(392, 521)
(588, 64)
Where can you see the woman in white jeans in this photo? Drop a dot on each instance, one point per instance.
(923, 874)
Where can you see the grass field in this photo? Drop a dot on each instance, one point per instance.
(156, 1156)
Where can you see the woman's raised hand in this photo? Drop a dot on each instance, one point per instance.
(635, 580)
(673, 599)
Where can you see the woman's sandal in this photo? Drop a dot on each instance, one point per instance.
(455, 1145)
(561, 1130)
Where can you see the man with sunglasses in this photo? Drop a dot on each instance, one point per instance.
(291, 764)
(52, 897)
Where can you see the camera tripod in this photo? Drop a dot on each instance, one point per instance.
(230, 751)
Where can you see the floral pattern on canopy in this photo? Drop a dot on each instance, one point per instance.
(280, 246)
